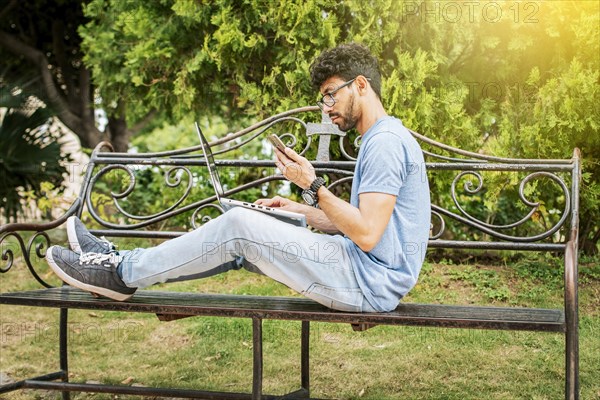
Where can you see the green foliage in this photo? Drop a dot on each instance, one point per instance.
(541, 269)
(31, 163)
(45, 199)
(168, 137)
(237, 58)
(486, 281)
(547, 269)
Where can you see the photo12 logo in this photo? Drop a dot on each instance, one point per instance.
(471, 11)
(113, 332)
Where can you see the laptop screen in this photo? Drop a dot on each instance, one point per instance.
(210, 163)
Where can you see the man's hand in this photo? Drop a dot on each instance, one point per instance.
(295, 168)
(315, 218)
(283, 203)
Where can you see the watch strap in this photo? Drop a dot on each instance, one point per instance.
(316, 184)
(312, 190)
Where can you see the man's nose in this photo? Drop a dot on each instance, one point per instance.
(327, 109)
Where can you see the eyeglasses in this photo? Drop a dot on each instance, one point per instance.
(328, 100)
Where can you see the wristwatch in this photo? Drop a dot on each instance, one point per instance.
(310, 194)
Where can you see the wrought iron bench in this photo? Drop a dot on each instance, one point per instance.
(458, 181)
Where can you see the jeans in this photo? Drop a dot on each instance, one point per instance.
(315, 265)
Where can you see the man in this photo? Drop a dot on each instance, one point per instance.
(373, 248)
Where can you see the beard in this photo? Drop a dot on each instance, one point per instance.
(346, 119)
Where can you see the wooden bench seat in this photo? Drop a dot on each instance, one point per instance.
(171, 305)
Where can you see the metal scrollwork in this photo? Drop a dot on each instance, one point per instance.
(493, 229)
(289, 139)
(356, 145)
(173, 178)
(7, 254)
(40, 246)
(339, 182)
(203, 218)
(468, 187)
(26, 250)
(436, 235)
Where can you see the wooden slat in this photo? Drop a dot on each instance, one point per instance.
(175, 304)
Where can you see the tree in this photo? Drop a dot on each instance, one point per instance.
(224, 57)
(39, 39)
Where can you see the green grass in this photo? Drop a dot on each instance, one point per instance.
(381, 363)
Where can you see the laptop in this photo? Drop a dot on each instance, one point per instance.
(227, 204)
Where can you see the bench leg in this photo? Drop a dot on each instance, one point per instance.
(305, 357)
(572, 370)
(572, 363)
(63, 349)
(572, 321)
(257, 368)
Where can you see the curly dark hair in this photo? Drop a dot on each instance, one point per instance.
(346, 61)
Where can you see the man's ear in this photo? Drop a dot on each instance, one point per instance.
(362, 84)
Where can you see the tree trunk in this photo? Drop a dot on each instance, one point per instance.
(118, 133)
(76, 114)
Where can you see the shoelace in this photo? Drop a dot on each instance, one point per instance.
(108, 243)
(97, 258)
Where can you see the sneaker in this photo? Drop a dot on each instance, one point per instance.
(82, 241)
(92, 272)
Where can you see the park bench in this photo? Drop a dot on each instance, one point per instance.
(457, 177)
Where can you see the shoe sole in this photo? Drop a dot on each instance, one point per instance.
(72, 235)
(83, 286)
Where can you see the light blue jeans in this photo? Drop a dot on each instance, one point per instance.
(315, 265)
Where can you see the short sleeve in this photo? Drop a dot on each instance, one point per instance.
(384, 165)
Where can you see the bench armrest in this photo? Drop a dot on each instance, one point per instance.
(15, 227)
(29, 250)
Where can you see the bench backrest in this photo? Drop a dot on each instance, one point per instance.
(543, 193)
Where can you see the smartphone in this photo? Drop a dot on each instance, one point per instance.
(275, 141)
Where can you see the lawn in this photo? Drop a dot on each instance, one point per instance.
(381, 363)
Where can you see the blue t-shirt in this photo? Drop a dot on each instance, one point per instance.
(391, 161)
